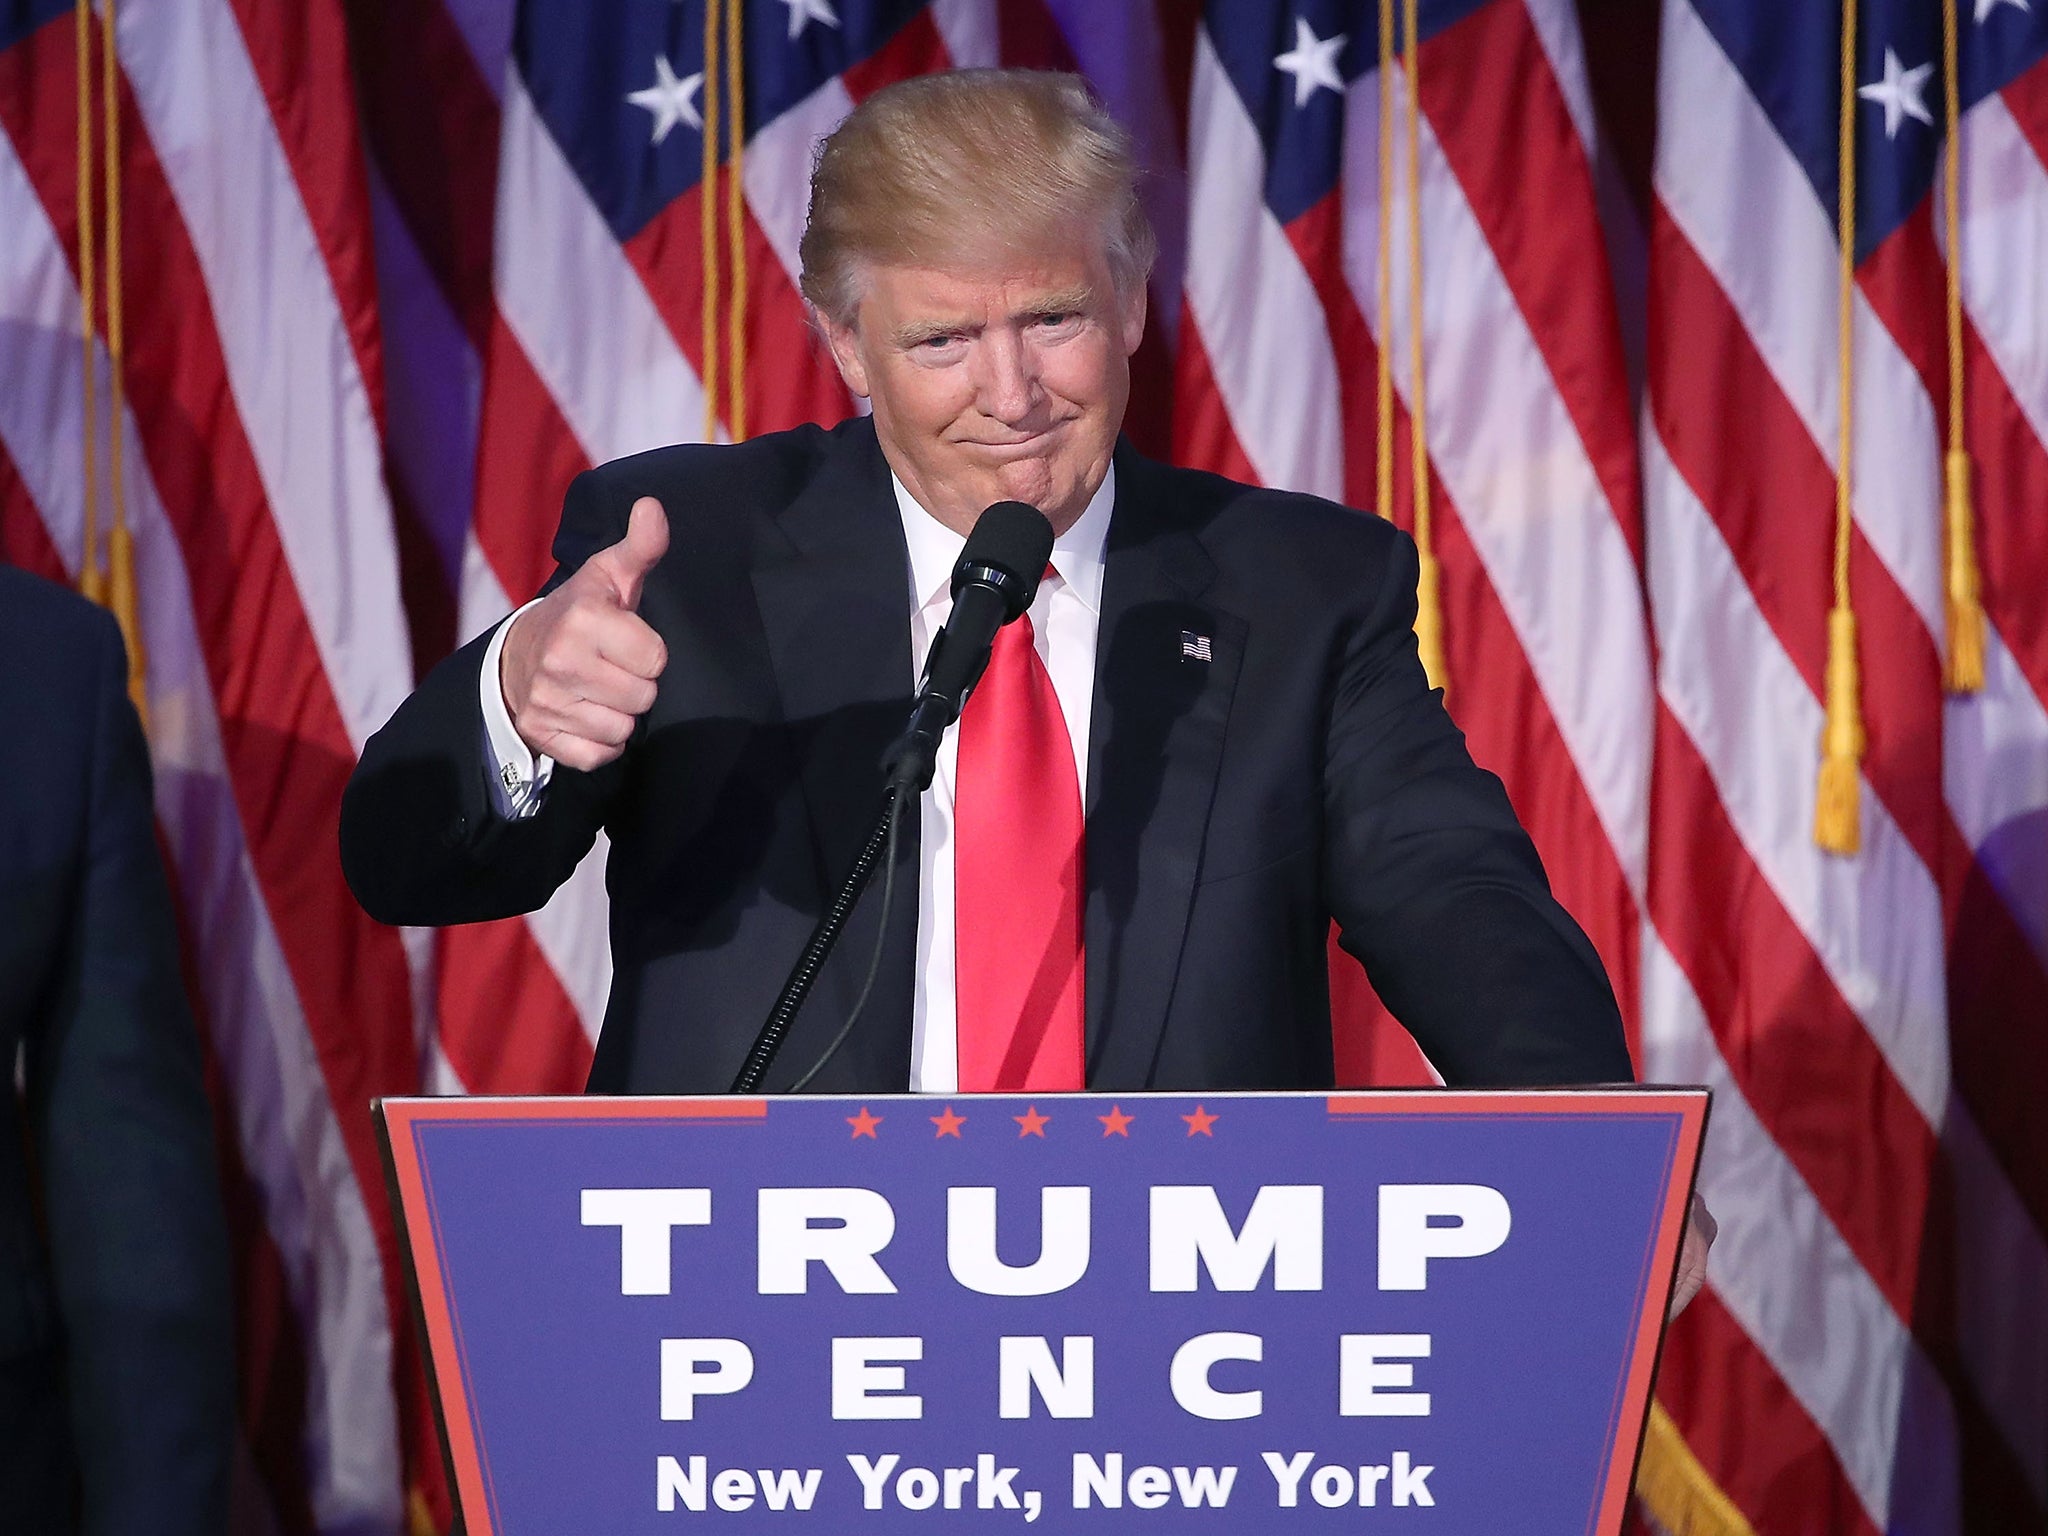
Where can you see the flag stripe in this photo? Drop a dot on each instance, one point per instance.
(24, 541)
(1245, 287)
(287, 367)
(503, 1012)
(2027, 99)
(1551, 534)
(1203, 435)
(300, 57)
(436, 149)
(2004, 228)
(1316, 237)
(790, 377)
(968, 30)
(526, 456)
(1782, 1263)
(916, 48)
(1754, 1436)
(1486, 83)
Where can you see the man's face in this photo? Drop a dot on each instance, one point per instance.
(990, 386)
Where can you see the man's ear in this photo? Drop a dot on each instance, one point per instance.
(845, 343)
(1133, 308)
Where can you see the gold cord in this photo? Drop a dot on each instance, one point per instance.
(1383, 286)
(1429, 622)
(92, 580)
(112, 585)
(121, 587)
(1680, 1494)
(735, 213)
(1964, 672)
(1836, 808)
(707, 216)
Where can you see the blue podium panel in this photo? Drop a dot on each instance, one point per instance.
(1435, 1311)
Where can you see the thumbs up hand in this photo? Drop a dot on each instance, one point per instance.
(579, 667)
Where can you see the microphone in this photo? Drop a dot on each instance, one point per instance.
(994, 582)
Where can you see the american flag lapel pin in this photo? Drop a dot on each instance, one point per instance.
(1194, 647)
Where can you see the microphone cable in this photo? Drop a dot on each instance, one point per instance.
(867, 986)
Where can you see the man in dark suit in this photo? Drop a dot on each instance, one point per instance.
(1262, 751)
(116, 1350)
(1224, 677)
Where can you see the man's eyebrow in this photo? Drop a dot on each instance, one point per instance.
(913, 332)
(1060, 301)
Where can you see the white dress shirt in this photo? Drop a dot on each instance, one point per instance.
(1064, 617)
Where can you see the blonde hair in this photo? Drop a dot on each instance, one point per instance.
(959, 168)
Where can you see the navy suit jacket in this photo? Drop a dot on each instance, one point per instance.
(116, 1349)
(1305, 772)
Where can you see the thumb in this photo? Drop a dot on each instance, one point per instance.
(628, 561)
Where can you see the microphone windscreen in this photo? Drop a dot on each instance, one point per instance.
(1014, 538)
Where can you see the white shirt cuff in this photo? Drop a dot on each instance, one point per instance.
(521, 778)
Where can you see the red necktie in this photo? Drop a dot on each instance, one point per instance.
(1017, 880)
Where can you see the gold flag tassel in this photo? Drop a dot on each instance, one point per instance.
(122, 595)
(1965, 669)
(1429, 619)
(1679, 1493)
(419, 1516)
(1836, 808)
(113, 585)
(92, 578)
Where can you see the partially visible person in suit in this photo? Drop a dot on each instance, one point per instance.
(1208, 739)
(116, 1345)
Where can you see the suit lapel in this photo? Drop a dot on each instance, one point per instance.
(831, 578)
(1155, 745)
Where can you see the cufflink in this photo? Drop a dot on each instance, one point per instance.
(1194, 647)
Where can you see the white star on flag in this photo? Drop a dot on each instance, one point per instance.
(1986, 7)
(1901, 93)
(803, 12)
(1312, 61)
(670, 100)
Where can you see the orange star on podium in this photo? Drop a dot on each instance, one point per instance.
(1199, 1122)
(1116, 1122)
(949, 1123)
(864, 1124)
(1031, 1123)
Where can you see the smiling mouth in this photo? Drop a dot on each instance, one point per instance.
(1013, 444)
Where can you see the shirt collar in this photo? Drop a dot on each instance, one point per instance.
(1076, 554)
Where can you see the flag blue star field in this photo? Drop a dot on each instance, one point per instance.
(1568, 309)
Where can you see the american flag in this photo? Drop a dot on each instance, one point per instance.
(390, 275)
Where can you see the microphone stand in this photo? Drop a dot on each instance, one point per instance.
(910, 763)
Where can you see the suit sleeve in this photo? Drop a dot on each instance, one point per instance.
(1436, 888)
(124, 1141)
(421, 838)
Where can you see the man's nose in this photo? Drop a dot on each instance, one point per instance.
(1008, 385)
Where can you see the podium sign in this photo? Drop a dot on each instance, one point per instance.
(1435, 1311)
